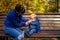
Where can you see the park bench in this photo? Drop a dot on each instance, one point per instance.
(49, 26)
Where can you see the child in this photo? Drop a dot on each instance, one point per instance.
(34, 26)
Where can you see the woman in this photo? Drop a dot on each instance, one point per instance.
(13, 21)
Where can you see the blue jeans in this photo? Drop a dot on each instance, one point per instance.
(14, 32)
(31, 30)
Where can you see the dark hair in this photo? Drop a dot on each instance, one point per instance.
(19, 8)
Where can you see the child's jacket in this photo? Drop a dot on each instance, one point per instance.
(35, 25)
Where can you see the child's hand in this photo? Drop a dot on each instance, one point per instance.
(28, 22)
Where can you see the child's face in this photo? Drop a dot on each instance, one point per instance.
(33, 16)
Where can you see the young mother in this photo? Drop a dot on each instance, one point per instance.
(13, 21)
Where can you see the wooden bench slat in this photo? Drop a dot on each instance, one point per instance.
(40, 20)
(49, 23)
(45, 35)
(42, 29)
(43, 26)
(54, 16)
(44, 15)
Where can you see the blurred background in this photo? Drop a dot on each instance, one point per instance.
(49, 7)
(37, 6)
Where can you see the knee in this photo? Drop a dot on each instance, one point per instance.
(21, 36)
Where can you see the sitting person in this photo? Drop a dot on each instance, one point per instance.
(33, 27)
(13, 21)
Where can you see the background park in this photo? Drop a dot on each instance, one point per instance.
(47, 10)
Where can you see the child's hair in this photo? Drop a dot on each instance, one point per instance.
(33, 15)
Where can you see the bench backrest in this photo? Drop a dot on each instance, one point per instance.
(47, 21)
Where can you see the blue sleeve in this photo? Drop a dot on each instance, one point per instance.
(38, 25)
(24, 19)
(15, 22)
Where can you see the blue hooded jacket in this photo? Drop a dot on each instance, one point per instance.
(14, 20)
(35, 25)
